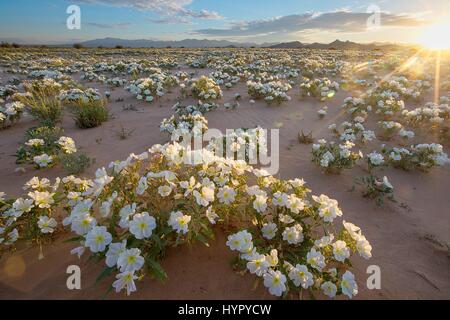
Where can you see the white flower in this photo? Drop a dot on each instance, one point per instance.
(375, 158)
(301, 276)
(272, 258)
(105, 207)
(114, 251)
(328, 209)
(82, 224)
(78, 251)
(67, 145)
(179, 222)
(324, 241)
(341, 251)
(258, 264)
(269, 230)
(164, 190)
(97, 239)
(241, 241)
(130, 260)
(387, 184)
(43, 200)
(43, 160)
(211, 215)
(329, 289)
(260, 203)
(226, 195)
(142, 186)
(297, 183)
(293, 235)
(125, 280)
(315, 259)
(46, 224)
(363, 247)
(23, 205)
(205, 196)
(35, 142)
(295, 204)
(275, 281)
(348, 284)
(353, 230)
(142, 225)
(102, 178)
(279, 199)
(189, 186)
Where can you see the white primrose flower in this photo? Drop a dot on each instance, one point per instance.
(205, 196)
(315, 259)
(43, 200)
(258, 264)
(295, 204)
(387, 184)
(97, 239)
(179, 222)
(46, 224)
(301, 276)
(211, 215)
(260, 203)
(226, 195)
(375, 158)
(23, 205)
(125, 280)
(280, 199)
(164, 190)
(293, 235)
(275, 281)
(269, 230)
(43, 160)
(189, 186)
(78, 251)
(114, 251)
(241, 241)
(142, 225)
(130, 260)
(142, 186)
(328, 209)
(329, 289)
(341, 251)
(363, 247)
(348, 284)
(83, 223)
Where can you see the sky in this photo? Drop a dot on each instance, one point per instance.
(256, 21)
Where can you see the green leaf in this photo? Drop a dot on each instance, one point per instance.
(105, 273)
(157, 270)
(74, 239)
(202, 239)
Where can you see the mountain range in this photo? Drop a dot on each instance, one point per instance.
(205, 43)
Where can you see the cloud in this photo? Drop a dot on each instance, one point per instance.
(337, 21)
(109, 26)
(171, 10)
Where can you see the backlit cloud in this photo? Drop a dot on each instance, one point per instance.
(337, 21)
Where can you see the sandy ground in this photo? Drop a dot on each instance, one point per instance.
(407, 240)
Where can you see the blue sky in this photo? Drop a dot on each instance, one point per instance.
(44, 21)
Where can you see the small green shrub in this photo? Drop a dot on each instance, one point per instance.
(75, 163)
(90, 114)
(42, 105)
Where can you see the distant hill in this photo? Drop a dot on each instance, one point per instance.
(337, 44)
(144, 43)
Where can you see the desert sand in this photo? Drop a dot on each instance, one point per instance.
(408, 240)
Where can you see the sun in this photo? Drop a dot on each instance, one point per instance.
(436, 36)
